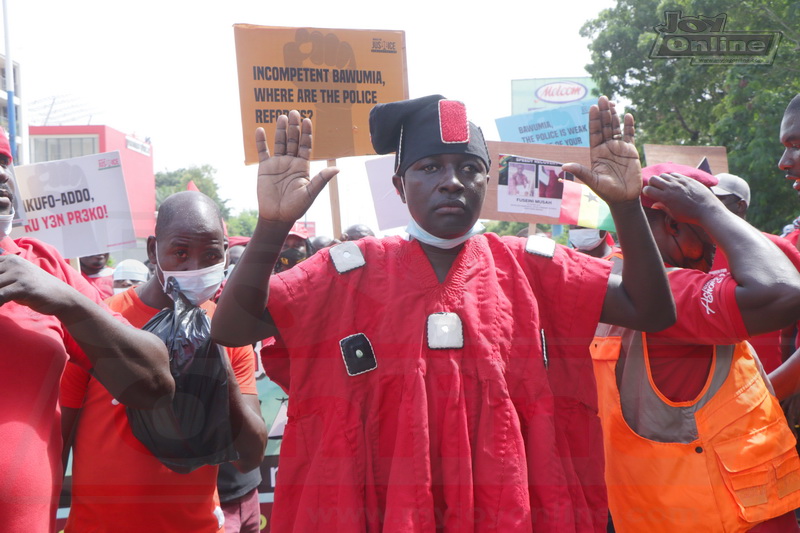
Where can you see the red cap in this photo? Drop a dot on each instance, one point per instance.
(237, 241)
(5, 146)
(668, 168)
(299, 230)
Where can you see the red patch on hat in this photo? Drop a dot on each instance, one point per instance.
(453, 124)
(5, 146)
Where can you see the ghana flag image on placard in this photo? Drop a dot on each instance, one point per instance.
(582, 207)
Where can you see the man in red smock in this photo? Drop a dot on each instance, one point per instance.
(49, 315)
(439, 383)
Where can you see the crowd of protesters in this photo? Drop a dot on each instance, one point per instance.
(444, 380)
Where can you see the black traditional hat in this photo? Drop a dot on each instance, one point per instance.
(425, 126)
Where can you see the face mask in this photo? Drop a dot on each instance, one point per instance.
(118, 290)
(289, 258)
(5, 223)
(585, 239)
(415, 230)
(197, 285)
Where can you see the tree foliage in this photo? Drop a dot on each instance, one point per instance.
(503, 227)
(674, 102)
(243, 224)
(170, 182)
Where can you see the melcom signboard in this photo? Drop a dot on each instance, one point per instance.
(332, 76)
(543, 93)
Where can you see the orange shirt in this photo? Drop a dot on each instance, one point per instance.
(117, 484)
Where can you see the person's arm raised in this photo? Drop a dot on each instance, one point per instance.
(285, 192)
(768, 291)
(640, 299)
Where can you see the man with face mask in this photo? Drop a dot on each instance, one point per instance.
(681, 407)
(591, 241)
(118, 485)
(440, 382)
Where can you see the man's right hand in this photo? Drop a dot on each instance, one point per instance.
(285, 191)
(683, 198)
(26, 284)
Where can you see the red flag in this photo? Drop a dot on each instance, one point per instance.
(191, 186)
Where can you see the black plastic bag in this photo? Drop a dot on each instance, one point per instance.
(194, 429)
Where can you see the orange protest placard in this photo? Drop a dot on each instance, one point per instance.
(332, 76)
(687, 155)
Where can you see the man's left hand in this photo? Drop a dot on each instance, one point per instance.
(616, 174)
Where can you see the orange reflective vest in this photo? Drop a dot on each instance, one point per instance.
(724, 462)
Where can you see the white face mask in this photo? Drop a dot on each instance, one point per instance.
(197, 285)
(5, 223)
(415, 230)
(585, 239)
(118, 290)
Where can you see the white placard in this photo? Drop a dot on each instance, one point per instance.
(78, 205)
(390, 210)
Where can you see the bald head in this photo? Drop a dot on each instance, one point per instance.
(794, 105)
(189, 208)
(189, 236)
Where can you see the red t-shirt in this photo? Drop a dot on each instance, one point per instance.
(768, 345)
(680, 356)
(117, 484)
(793, 237)
(35, 349)
(103, 281)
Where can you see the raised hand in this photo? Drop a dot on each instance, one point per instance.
(683, 198)
(616, 174)
(285, 191)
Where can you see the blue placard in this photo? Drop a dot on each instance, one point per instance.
(566, 125)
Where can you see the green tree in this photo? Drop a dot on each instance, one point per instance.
(674, 102)
(243, 224)
(170, 182)
(503, 227)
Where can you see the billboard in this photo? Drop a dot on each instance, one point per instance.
(541, 93)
